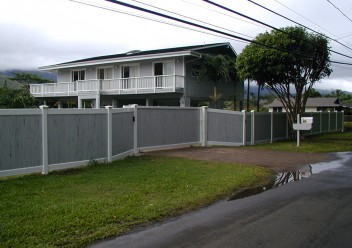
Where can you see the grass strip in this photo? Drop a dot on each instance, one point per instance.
(77, 207)
(330, 142)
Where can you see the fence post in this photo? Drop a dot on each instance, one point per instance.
(311, 115)
(272, 127)
(336, 120)
(321, 121)
(204, 126)
(109, 132)
(342, 120)
(44, 109)
(287, 127)
(135, 129)
(244, 127)
(329, 122)
(252, 128)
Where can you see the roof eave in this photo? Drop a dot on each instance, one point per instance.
(118, 60)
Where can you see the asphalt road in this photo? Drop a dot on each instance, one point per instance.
(313, 212)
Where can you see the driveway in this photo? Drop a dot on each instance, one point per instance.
(312, 212)
(278, 161)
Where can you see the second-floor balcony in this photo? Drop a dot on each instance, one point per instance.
(118, 86)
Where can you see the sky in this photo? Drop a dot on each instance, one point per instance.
(44, 32)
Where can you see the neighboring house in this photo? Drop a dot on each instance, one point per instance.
(313, 105)
(163, 77)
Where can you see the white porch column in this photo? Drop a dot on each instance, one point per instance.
(97, 102)
(185, 101)
(79, 102)
(149, 102)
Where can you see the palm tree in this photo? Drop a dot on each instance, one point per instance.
(216, 68)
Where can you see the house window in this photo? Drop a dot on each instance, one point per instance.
(162, 71)
(104, 73)
(129, 71)
(78, 75)
(164, 68)
(277, 109)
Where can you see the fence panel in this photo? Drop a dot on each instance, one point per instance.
(248, 128)
(262, 127)
(20, 139)
(76, 135)
(340, 120)
(167, 126)
(225, 127)
(280, 126)
(122, 132)
(325, 122)
(316, 122)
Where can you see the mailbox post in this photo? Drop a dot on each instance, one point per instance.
(304, 123)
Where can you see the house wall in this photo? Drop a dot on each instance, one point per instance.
(204, 89)
(145, 69)
(311, 109)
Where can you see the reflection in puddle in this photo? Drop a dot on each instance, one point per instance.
(292, 176)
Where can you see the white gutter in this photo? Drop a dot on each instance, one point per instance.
(118, 60)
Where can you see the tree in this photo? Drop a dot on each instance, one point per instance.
(299, 61)
(314, 94)
(28, 78)
(216, 68)
(16, 98)
(341, 95)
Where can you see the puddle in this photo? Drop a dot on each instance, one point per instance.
(293, 176)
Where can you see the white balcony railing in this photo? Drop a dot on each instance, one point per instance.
(136, 85)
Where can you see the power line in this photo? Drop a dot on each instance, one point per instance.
(154, 20)
(297, 23)
(221, 13)
(234, 37)
(303, 17)
(212, 30)
(339, 10)
(279, 30)
(149, 5)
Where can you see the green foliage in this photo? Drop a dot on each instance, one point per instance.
(16, 98)
(330, 142)
(73, 208)
(216, 68)
(277, 70)
(313, 93)
(340, 94)
(347, 127)
(28, 78)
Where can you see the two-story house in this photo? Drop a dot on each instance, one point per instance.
(163, 77)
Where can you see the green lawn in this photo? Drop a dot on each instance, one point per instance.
(77, 207)
(331, 142)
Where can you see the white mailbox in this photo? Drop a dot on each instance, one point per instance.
(302, 126)
(307, 120)
(306, 124)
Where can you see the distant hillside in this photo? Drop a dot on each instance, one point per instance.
(11, 84)
(42, 74)
(254, 89)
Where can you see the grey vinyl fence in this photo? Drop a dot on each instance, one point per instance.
(43, 140)
(224, 127)
(164, 126)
